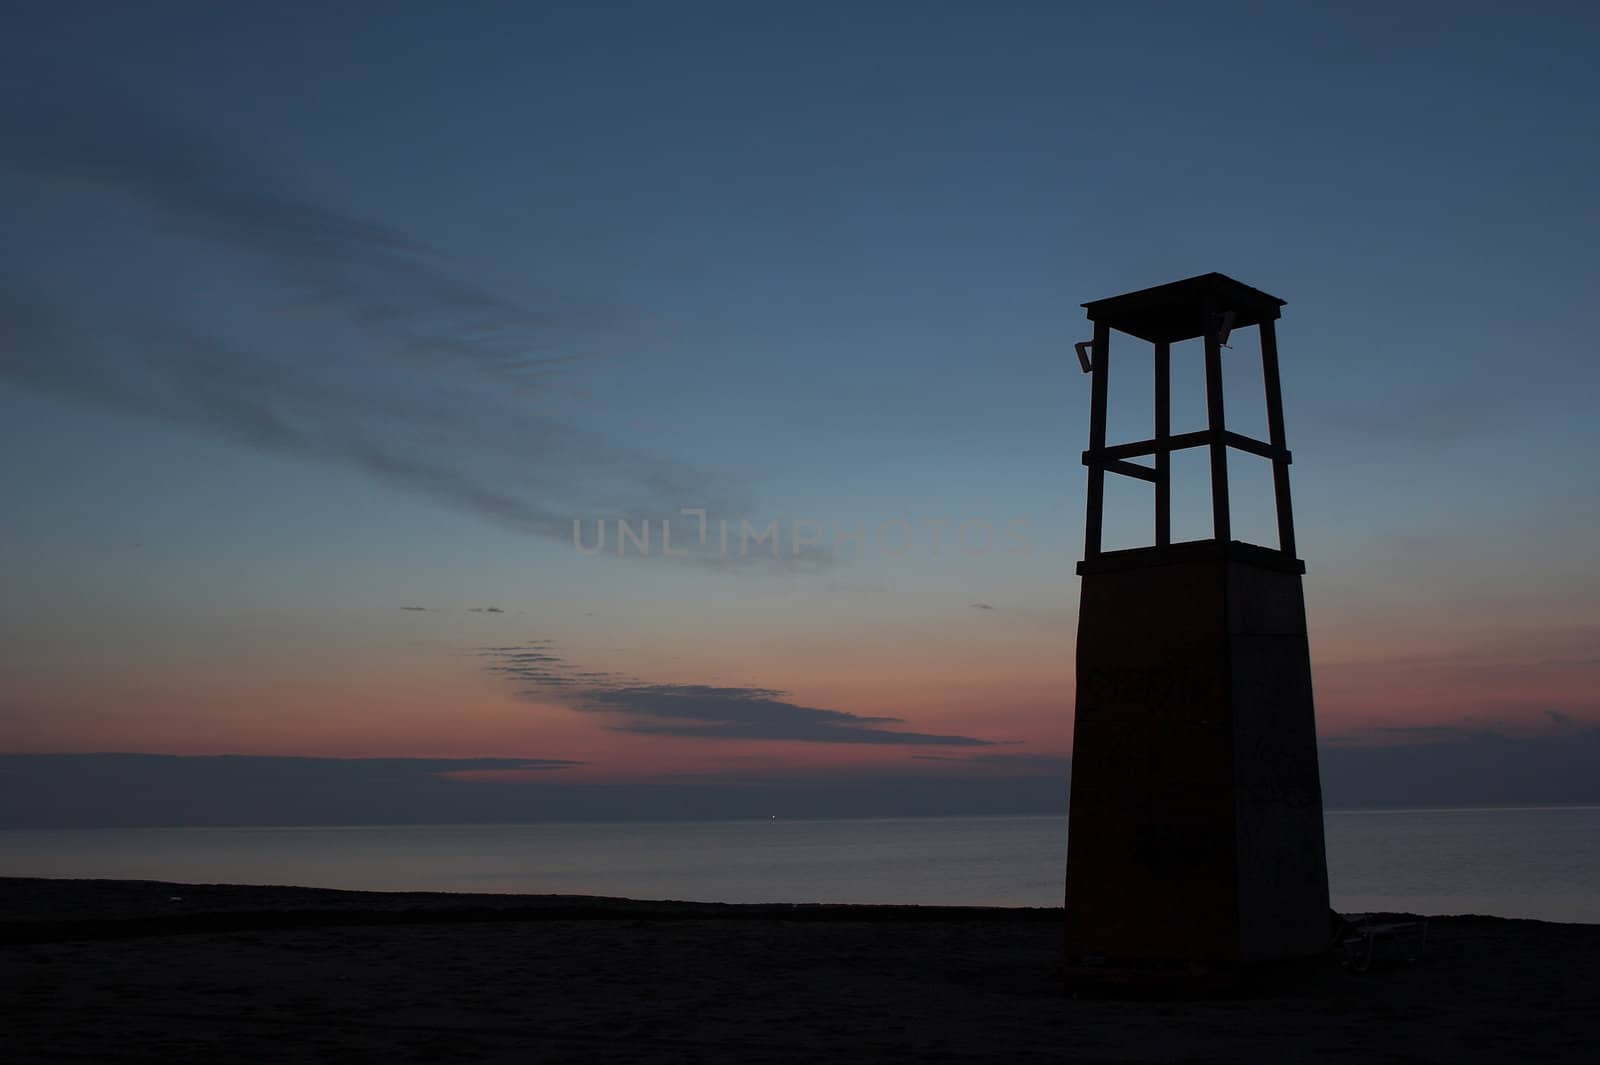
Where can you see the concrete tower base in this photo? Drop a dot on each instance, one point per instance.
(1195, 833)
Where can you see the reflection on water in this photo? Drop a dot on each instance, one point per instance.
(1526, 862)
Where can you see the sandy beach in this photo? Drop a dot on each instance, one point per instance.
(139, 971)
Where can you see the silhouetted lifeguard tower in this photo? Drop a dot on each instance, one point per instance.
(1196, 821)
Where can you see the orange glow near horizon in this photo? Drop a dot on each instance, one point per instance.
(1015, 694)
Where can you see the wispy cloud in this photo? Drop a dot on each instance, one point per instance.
(1551, 725)
(1563, 720)
(163, 270)
(707, 712)
(64, 790)
(1439, 414)
(1057, 764)
(1461, 764)
(697, 711)
(1388, 735)
(321, 257)
(151, 789)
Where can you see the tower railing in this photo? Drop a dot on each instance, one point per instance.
(1210, 306)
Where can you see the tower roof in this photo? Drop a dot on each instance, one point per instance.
(1177, 310)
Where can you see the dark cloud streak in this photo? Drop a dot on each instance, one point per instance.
(699, 711)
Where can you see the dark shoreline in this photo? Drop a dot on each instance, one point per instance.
(45, 910)
(132, 971)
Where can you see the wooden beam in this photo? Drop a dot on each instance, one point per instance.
(1095, 503)
(1128, 469)
(1136, 448)
(1163, 442)
(1280, 461)
(1220, 520)
(1256, 447)
(1200, 438)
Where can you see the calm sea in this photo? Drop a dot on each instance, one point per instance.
(1541, 862)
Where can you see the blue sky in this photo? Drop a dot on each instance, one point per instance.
(310, 315)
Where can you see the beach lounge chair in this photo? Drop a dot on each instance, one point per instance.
(1387, 939)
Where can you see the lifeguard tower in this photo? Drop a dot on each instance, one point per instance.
(1195, 833)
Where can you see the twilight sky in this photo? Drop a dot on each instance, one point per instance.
(320, 328)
